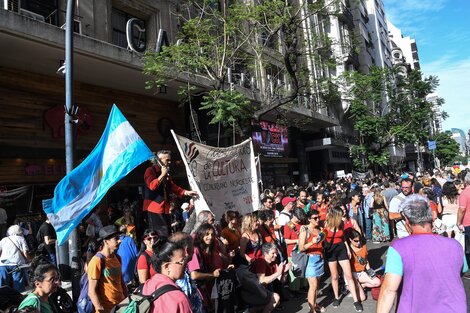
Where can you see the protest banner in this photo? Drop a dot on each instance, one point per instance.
(225, 178)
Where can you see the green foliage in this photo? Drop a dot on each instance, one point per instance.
(402, 119)
(249, 37)
(447, 149)
(226, 107)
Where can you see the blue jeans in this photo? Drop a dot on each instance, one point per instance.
(7, 273)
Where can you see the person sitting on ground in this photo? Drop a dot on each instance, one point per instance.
(170, 263)
(270, 275)
(46, 280)
(145, 269)
(364, 276)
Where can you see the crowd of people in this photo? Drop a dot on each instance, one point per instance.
(199, 255)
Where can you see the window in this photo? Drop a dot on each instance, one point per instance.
(119, 21)
(44, 10)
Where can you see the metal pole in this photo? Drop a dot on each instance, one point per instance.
(73, 260)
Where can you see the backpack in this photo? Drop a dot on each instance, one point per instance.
(138, 303)
(84, 304)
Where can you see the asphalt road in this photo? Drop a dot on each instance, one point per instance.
(376, 258)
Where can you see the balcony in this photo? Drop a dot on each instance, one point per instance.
(345, 15)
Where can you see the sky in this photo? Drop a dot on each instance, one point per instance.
(441, 29)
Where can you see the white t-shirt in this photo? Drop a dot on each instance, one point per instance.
(283, 218)
(9, 253)
(395, 207)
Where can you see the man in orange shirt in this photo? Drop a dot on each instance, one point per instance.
(158, 187)
(106, 288)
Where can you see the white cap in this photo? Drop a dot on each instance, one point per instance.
(185, 205)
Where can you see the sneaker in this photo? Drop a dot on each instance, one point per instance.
(336, 303)
(358, 306)
(466, 276)
(319, 309)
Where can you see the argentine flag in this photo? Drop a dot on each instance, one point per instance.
(118, 152)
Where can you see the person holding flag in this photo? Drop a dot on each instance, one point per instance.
(119, 150)
(158, 187)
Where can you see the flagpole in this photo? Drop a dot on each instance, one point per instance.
(69, 253)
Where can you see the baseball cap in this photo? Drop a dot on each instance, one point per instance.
(287, 200)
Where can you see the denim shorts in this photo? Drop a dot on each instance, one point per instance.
(315, 266)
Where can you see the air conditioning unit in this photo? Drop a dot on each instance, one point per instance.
(77, 26)
(34, 16)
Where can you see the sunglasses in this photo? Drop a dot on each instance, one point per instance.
(356, 240)
(53, 279)
(316, 218)
(178, 262)
(151, 237)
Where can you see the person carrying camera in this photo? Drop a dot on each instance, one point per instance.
(364, 276)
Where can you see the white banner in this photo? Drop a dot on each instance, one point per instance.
(225, 178)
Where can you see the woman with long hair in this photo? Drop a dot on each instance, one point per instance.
(450, 206)
(337, 253)
(170, 263)
(46, 280)
(206, 263)
(310, 243)
(251, 240)
(145, 269)
(380, 229)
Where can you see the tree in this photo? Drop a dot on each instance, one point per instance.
(447, 149)
(388, 108)
(220, 40)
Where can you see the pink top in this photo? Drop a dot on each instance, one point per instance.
(449, 208)
(464, 202)
(174, 301)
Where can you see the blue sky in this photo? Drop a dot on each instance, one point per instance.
(442, 32)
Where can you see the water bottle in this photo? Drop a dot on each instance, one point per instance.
(321, 236)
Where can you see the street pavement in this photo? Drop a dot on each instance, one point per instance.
(377, 253)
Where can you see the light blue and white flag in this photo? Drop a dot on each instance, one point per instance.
(118, 152)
